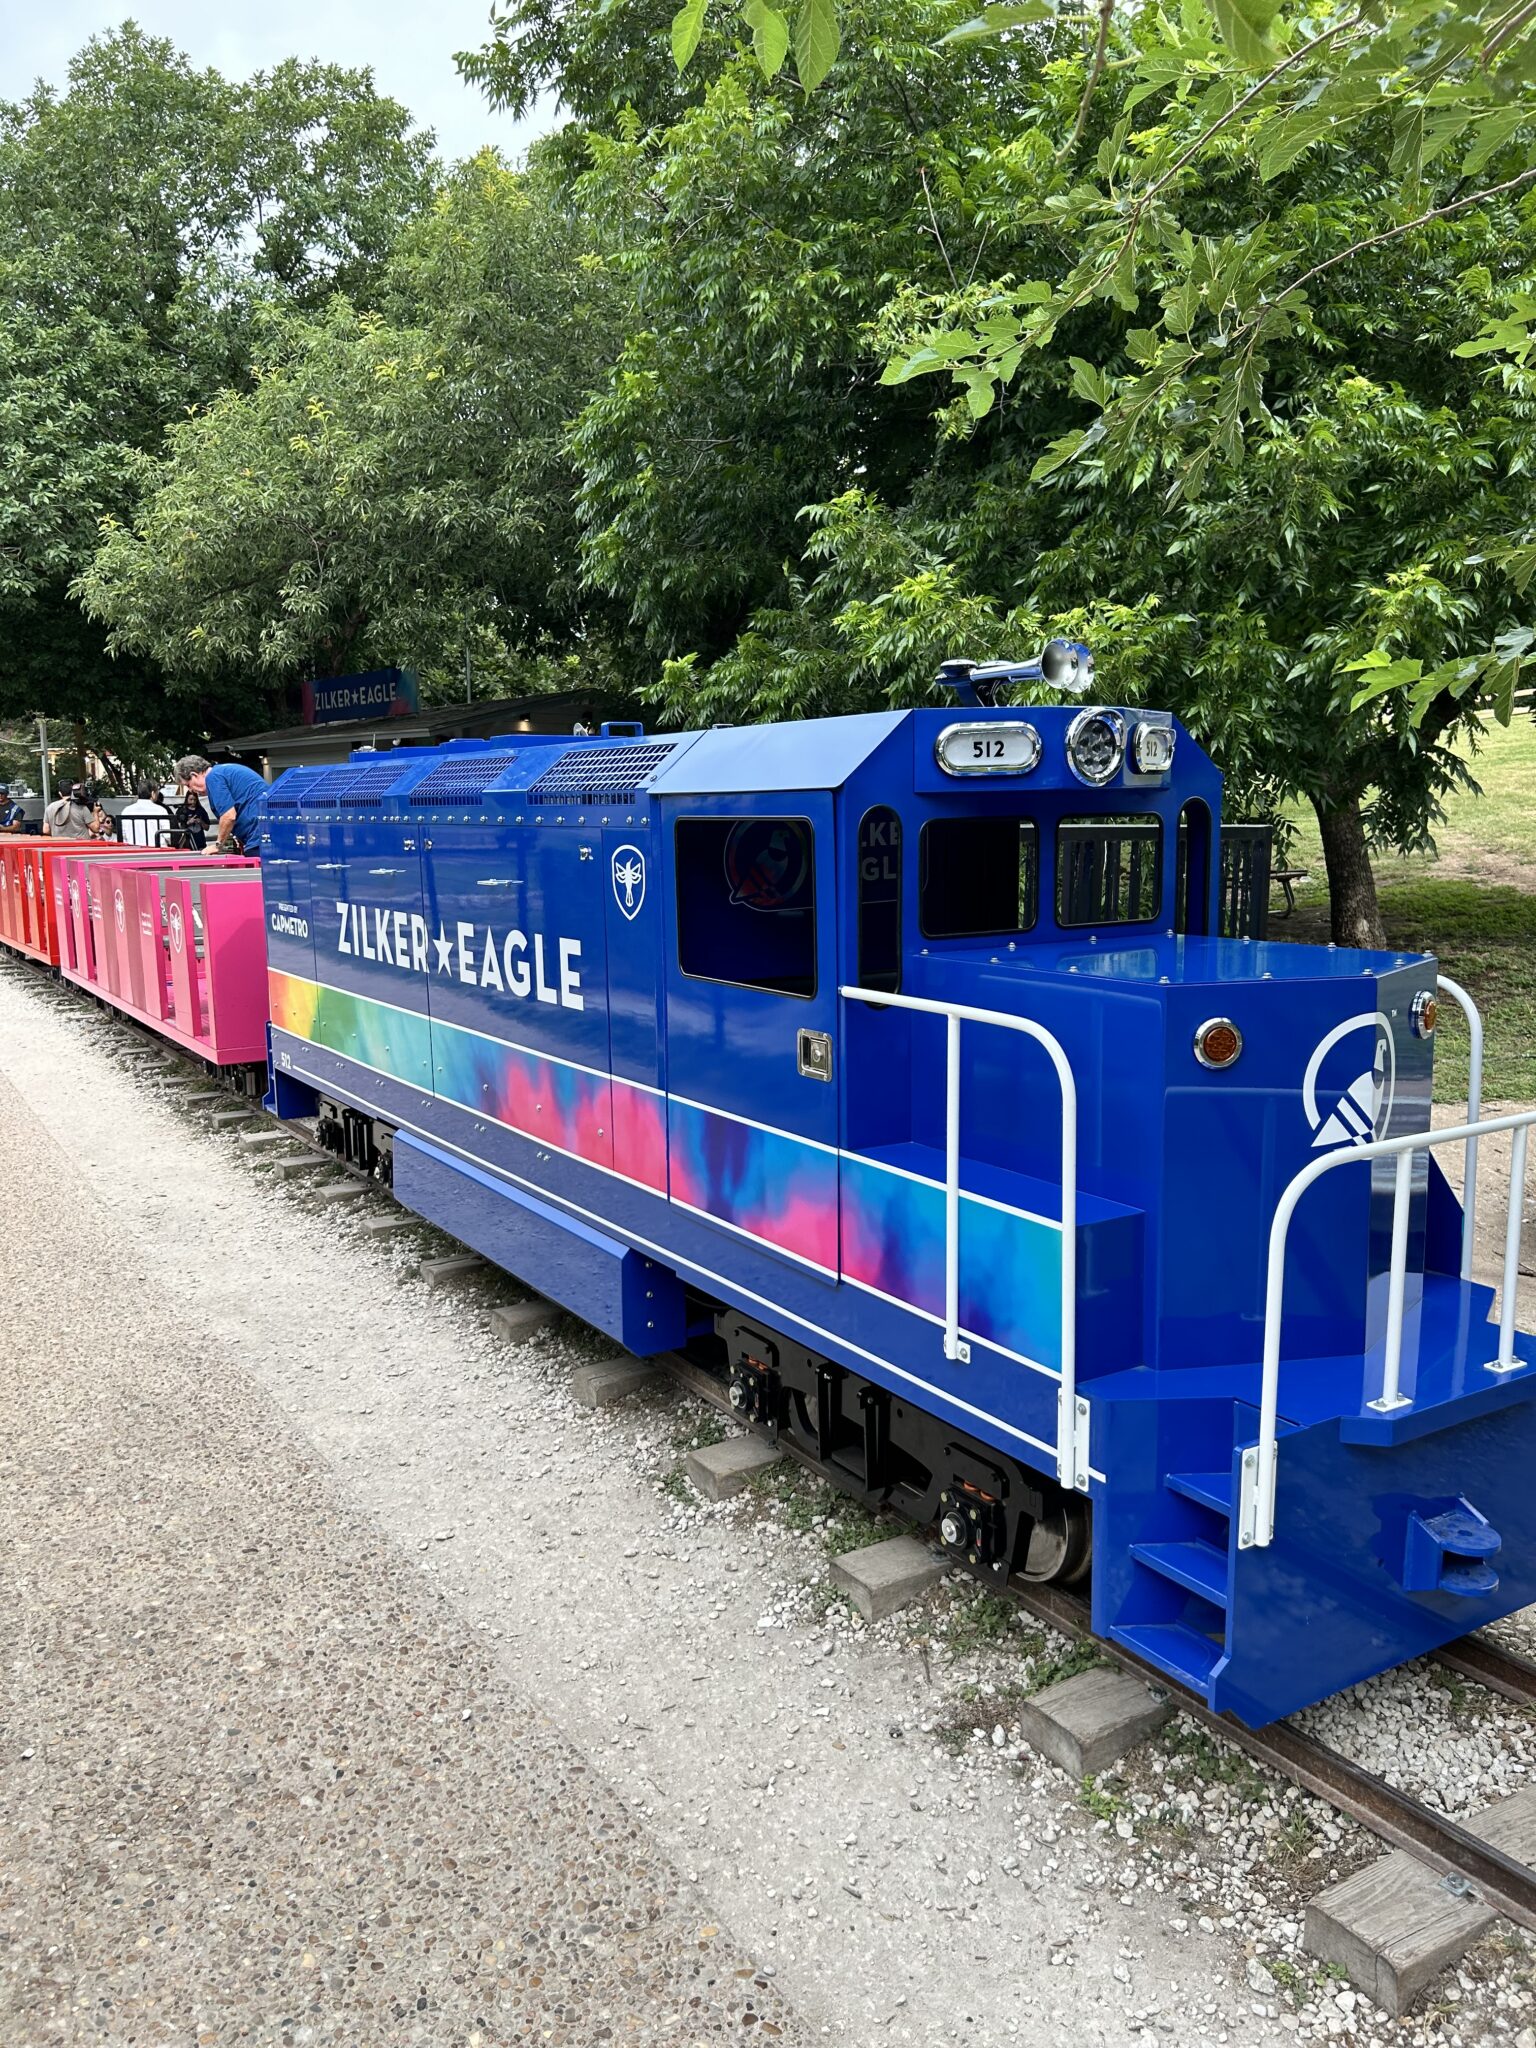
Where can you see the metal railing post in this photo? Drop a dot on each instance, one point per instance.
(1397, 1280)
(1513, 1221)
(952, 1346)
(1071, 1413)
(1256, 1508)
(1474, 1019)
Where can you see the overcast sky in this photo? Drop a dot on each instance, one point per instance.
(409, 46)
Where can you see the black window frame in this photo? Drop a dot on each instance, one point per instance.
(1101, 920)
(858, 923)
(738, 818)
(1019, 820)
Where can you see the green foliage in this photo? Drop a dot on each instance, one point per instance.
(394, 488)
(1198, 385)
(147, 213)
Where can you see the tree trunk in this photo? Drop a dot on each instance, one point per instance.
(1355, 911)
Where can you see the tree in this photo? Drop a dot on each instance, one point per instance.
(395, 487)
(147, 214)
(1208, 286)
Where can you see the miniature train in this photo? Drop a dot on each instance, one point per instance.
(889, 1064)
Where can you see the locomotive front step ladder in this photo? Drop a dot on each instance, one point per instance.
(1177, 1609)
(1175, 1613)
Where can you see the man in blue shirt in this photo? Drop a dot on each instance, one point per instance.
(238, 797)
(12, 817)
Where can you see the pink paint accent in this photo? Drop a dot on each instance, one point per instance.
(536, 1097)
(640, 1135)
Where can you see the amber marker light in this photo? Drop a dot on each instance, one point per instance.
(1218, 1042)
(1425, 1014)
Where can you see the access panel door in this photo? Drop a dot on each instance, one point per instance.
(752, 1004)
(517, 984)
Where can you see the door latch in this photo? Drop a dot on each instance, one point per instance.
(814, 1054)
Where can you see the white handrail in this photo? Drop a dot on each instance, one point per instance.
(1256, 1519)
(1474, 1019)
(1071, 1473)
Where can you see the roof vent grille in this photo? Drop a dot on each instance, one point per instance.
(371, 782)
(461, 779)
(601, 774)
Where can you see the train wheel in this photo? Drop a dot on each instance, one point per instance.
(1060, 1548)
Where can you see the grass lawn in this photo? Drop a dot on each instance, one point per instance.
(1472, 904)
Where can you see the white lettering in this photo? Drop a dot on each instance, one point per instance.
(542, 988)
(515, 964)
(517, 969)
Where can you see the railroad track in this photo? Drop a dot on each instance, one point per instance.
(1393, 1815)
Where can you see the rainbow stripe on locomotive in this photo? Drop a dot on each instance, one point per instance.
(892, 1063)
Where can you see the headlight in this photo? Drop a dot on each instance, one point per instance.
(1096, 746)
(1152, 748)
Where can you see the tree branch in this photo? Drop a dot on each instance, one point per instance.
(1406, 228)
(1095, 73)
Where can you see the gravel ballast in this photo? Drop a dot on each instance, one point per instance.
(853, 1803)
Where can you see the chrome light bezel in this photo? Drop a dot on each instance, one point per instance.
(1143, 735)
(1201, 1033)
(1115, 724)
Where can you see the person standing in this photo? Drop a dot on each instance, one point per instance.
(12, 817)
(145, 822)
(237, 796)
(103, 825)
(69, 816)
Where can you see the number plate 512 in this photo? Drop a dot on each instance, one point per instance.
(1001, 749)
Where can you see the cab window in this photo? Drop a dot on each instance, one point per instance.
(879, 856)
(1109, 870)
(746, 902)
(978, 877)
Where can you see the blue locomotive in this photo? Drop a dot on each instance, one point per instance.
(892, 1063)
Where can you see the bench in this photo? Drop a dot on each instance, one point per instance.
(1288, 878)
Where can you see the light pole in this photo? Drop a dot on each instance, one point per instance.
(42, 747)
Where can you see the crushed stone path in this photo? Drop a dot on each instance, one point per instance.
(257, 1782)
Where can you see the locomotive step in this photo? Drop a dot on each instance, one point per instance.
(1181, 1652)
(1199, 1566)
(1210, 1489)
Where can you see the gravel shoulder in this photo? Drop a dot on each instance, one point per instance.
(260, 1782)
(854, 1804)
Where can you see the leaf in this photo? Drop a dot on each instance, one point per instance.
(687, 27)
(770, 36)
(1492, 134)
(817, 40)
(1242, 24)
(1287, 140)
(992, 21)
(1385, 675)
